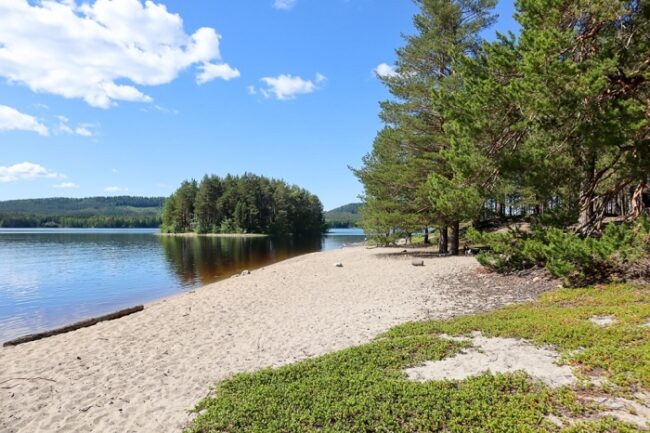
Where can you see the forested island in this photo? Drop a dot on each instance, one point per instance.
(242, 204)
(91, 212)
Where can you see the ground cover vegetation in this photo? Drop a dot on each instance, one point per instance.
(364, 389)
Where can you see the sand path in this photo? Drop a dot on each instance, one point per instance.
(144, 372)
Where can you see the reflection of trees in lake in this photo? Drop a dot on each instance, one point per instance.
(207, 259)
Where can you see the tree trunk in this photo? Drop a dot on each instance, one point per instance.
(455, 238)
(586, 218)
(444, 238)
(620, 208)
(637, 201)
(426, 236)
(499, 209)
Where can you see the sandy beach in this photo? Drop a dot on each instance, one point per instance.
(144, 373)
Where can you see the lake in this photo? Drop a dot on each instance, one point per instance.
(52, 277)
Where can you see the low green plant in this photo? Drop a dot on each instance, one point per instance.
(620, 251)
(364, 389)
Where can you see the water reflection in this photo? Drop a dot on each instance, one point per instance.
(49, 278)
(203, 260)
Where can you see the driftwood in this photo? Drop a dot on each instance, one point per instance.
(74, 326)
(27, 378)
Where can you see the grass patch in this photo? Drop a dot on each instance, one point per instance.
(364, 389)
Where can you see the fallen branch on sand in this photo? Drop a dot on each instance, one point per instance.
(74, 326)
(27, 378)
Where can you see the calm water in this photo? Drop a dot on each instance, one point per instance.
(49, 278)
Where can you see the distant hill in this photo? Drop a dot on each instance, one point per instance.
(122, 211)
(344, 216)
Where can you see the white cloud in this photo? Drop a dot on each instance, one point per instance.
(286, 86)
(115, 189)
(284, 4)
(64, 128)
(66, 185)
(12, 119)
(26, 171)
(165, 110)
(385, 70)
(251, 90)
(101, 51)
(84, 130)
(210, 71)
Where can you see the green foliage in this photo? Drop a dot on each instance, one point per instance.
(561, 319)
(242, 204)
(621, 251)
(411, 148)
(455, 199)
(556, 117)
(96, 212)
(344, 216)
(363, 389)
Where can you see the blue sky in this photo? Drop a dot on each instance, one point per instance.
(115, 97)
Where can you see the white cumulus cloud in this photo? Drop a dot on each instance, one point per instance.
(284, 4)
(12, 119)
(26, 171)
(102, 50)
(385, 70)
(115, 189)
(210, 71)
(286, 86)
(66, 185)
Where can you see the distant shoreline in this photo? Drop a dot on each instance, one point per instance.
(214, 235)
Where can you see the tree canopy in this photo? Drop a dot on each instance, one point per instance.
(553, 124)
(242, 204)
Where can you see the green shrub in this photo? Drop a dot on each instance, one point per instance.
(620, 251)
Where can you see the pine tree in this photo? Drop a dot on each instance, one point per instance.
(410, 149)
(584, 94)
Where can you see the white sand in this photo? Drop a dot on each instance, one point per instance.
(144, 372)
(497, 355)
(602, 321)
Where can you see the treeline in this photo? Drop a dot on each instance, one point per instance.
(94, 221)
(120, 205)
(551, 125)
(242, 204)
(345, 216)
(90, 212)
